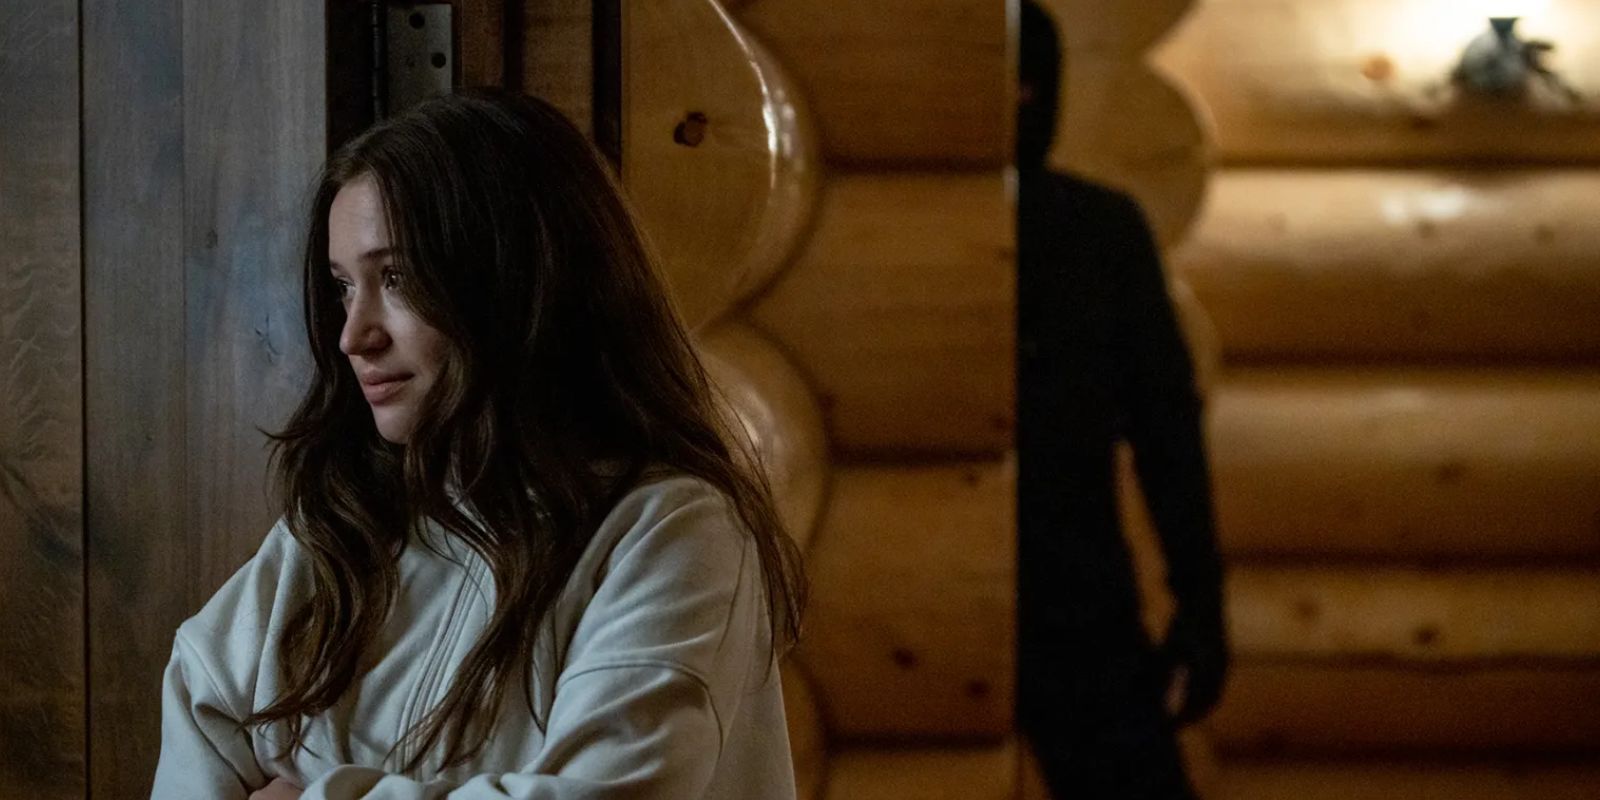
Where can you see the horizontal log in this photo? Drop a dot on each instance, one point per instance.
(900, 309)
(1318, 264)
(902, 82)
(1430, 616)
(775, 408)
(1364, 81)
(1411, 780)
(1420, 464)
(1279, 708)
(1126, 126)
(724, 196)
(910, 630)
(971, 773)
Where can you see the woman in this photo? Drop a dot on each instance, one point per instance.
(518, 557)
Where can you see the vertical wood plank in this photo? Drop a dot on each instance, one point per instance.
(138, 544)
(556, 61)
(41, 445)
(481, 42)
(254, 117)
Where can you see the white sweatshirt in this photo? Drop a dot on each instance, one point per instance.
(664, 689)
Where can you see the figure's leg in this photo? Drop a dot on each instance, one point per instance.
(1104, 732)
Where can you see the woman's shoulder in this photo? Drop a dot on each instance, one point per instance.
(230, 636)
(673, 516)
(669, 486)
(663, 493)
(250, 601)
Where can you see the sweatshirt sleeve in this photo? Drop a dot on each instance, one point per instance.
(204, 750)
(661, 655)
(207, 689)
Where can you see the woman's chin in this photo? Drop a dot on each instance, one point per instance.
(394, 427)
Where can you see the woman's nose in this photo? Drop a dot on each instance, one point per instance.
(363, 331)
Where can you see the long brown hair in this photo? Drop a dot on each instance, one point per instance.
(563, 354)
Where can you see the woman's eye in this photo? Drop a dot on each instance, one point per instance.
(342, 288)
(391, 278)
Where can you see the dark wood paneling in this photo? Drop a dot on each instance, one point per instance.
(139, 547)
(554, 53)
(481, 41)
(205, 122)
(41, 432)
(253, 115)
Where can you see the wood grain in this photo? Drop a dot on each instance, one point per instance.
(718, 154)
(248, 169)
(907, 83)
(42, 693)
(1361, 82)
(910, 633)
(1387, 779)
(1400, 265)
(481, 42)
(1415, 464)
(1423, 616)
(1352, 708)
(141, 570)
(925, 773)
(900, 308)
(556, 59)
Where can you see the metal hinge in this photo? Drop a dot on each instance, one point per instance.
(414, 54)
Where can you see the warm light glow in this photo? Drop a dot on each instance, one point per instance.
(1424, 38)
(1504, 8)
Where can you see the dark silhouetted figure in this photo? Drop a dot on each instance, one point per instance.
(1101, 360)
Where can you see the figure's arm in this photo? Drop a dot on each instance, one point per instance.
(205, 752)
(1165, 427)
(660, 658)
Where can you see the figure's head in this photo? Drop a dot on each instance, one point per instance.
(494, 354)
(1038, 85)
(396, 355)
(473, 256)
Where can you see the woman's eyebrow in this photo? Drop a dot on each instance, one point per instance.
(371, 255)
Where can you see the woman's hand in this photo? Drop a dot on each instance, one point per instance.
(279, 789)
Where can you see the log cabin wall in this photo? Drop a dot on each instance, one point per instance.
(1404, 433)
(825, 182)
(898, 308)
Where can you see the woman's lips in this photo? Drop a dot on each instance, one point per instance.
(381, 391)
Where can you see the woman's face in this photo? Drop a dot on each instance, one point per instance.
(395, 354)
